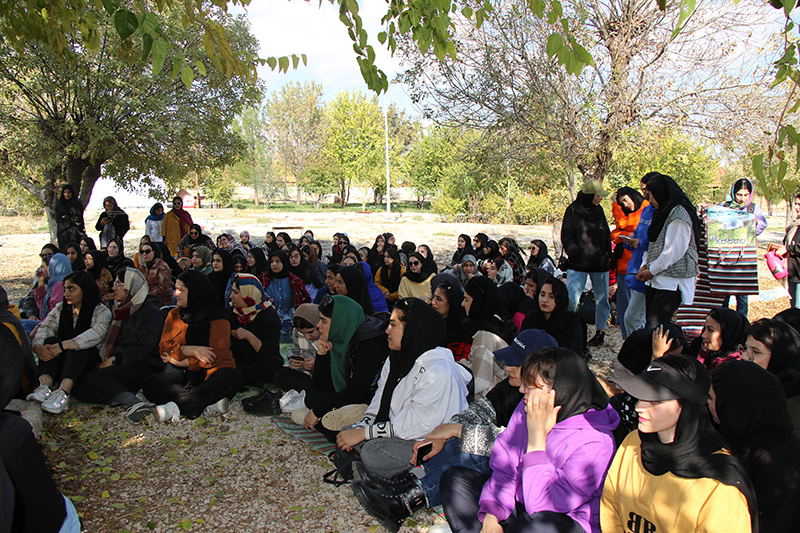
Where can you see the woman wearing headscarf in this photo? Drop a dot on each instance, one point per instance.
(420, 387)
(194, 238)
(14, 341)
(416, 281)
(676, 458)
(255, 333)
(548, 466)
(469, 268)
(50, 292)
(350, 353)
(257, 263)
(302, 269)
(487, 311)
(350, 282)
(69, 342)
(510, 252)
(201, 260)
(68, 213)
(519, 303)
(388, 277)
(377, 252)
(758, 431)
(115, 257)
(791, 251)
(312, 254)
(175, 227)
(156, 272)
(221, 276)
(539, 258)
(97, 266)
(464, 247)
(376, 295)
(112, 223)
(627, 209)
(721, 339)
(447, 298)
(552, 315)
(670, 269)
(73, 253)
(429, 263)
(244, 237)
(285, 290)
(131, 347)
(195, 345)
(479, 242)
(87, 243)
(270, 245)
(154, 222)
(499, 271)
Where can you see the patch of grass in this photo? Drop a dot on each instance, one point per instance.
(21, 224)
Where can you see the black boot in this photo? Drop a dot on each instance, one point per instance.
(378, 483)
(598, 339)
(391, 507)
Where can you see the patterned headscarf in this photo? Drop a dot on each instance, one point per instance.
(136, 291)
(255, 298)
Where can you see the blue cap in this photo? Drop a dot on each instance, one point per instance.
(526, 342)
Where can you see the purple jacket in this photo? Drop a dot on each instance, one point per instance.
(566, 478)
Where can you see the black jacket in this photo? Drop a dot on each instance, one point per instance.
(585, 236)
(259, 367)
(139, 336)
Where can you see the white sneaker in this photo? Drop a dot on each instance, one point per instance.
(222, 407)
(40, 394)
(293, 400)
(57, 402)
(299, 415)
(440, 528)
(169, 412)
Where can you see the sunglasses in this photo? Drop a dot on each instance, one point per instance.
(414, 263)
(147, 250)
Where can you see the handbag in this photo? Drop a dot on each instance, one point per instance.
(342, 472)
(733, 270)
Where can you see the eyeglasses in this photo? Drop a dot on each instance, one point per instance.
(147, 251)
(414, 263)
(119, 284)
(45, 255)
(193, 233)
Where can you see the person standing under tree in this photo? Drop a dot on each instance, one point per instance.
(176, 225)
(69, 217)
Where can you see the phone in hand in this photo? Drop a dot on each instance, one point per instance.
(298, 358)
(422, 451)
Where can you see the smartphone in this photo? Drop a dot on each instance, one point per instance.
(423, 451)
(298, 358)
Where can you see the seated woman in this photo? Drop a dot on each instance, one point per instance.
(303, 270)
(269, 242)
(96, 266)
(69, 341)
(486, 309)
(221, 276)
(553, 316)
(87, 243)
(511, 254)
(131, 348)
(464, 248)
(539, 258)
(255, 336)
(376, 295)
(194, 238)
(429, 263)
(758, 431)
(201, 260)
(499, 271)
(350, 282)
(677, 458)
(469, 268)
(519, 303)
(446, 301)
(350, 352)
(240, 264)
(157, 273)
(73, 252)
(195, 345)
(548, 466)
(115, 257)
(388, 277)
(416, 281)
(285, 290)
(244, 237)
(49, 289)
(257, 263)
(722, 336)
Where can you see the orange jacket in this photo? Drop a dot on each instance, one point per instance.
(174, 336)
(625, 226)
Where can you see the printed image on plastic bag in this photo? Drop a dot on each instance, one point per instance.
(730, 228)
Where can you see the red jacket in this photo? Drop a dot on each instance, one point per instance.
(295, 282)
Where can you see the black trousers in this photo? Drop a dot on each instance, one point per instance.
(69, 364)
(104, 385)
(192, 391)
(660, 306)
(461, 492)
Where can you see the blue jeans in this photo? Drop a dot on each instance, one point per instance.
(576, 281)
(450, 455)
(794, 295)
(635, 313)
(741, 303)
(623, 296)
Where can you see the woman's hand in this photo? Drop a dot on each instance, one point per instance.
(108, 362)
(490, 524)
(445, 431)
(661, 342)
(308, 364)
(324, 347)
(437, 445)
(350, 437)
(644, 274)
(47, 352)
(204, 354)
(310, 420)
(782, 251)
(241, 333)
(633, 243)
(541, 415)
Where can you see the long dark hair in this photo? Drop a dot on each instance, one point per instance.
(90, 300)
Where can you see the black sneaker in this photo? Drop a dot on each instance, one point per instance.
(266, 405)
(266, 393)
(598, 339)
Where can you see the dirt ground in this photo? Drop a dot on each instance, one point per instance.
(239, 472)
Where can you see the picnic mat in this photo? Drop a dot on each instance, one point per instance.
(315, 439)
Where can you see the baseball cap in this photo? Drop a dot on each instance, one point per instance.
(594, 187)
(660, 382)
(526, 342)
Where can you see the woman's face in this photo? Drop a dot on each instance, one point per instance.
(527, 389)
(440, 303)
(113, 249)
(414, 265)
(492, 273)
(503, 250)
(340, 285)
(73, 294)
(424, 252)
(330, 281)
(146, 252)
(181, 294)
(303, 241)
(476, 243)
(269, 238)
(626, 202)
(238, 266)
(742, 195)
(88, 261)
(391, 240)
(275, 264)
(177, 203)
(108, 206)
(395, 331)
(387, 260)
(530, 288)
(468, 268)
(514, 378)
(294, 258)
(757, 352)
(119, 290)
(222, 241)
(348, 261)
(797, 207)
(467, 303)
(216, 263)
(324, 327)
(659, 417)
(461, 243)
(363, 255)
(534, 249)
(305, 255)
(280, 242)
(712, 404)
(712, 335)
(237, 300)
(72, 254)
(245, 237)
(159, 211)
(251, 261)
(547, 300)
(380, 243)
(84, 247)
(197, 261)
(46, 269)
(193, 233)
(67, 194)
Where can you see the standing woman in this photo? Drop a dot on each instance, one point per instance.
(486, 309)
(176, 226)
(194, 238)
(389, 275)
(115, 257)
(221, 276)
(791, 251)
(285, 290)
(156, 272)
(68, 212)
(154, 222)
(670, 267)
(112, 223)
(69, 341)
(416, 281)
(255, 335)
(627, 209)
(195, 345)
(97, 265)
(73, 253)
(464, 247)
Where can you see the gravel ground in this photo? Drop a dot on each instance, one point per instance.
(238, 472)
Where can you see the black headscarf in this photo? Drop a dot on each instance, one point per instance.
(457, 322)
(586, 209)
(15, 368)
(637, 350)
(99, 259)
(156, 252)
(790, 316)
(483, 239)
(692, 454)
(284, 259)
(115, 263)
(261, 265)
(459, 254)
(429, 265)
(424, 330)
(489, 311)
(668, 196)
(166, 256)
(200, 240)
(535, 261)
(52, 247)
(78, 263)
(303, 270)
(90, 300)
(785, 359)
(732, 325)
(634, 195)
(63, 201)
(518, 301)
(390, 276)
(357, 288)
(220, 279)
(420, 276)
(494, 251)
(577, 389)
(201, 307)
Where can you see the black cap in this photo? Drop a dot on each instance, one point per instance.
(660, 382)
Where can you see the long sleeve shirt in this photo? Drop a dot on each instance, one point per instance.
(94, 336)
(676, 244)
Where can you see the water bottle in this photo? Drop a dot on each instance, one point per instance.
(776, 265)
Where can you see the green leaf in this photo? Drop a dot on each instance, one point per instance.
(77, 499)
(105, 494)
(467, 12)
(126, 23)
(160, 55)
(271, 61)
(557, 9)
(92, 455)
(662, 4)
(151, 526)
(382, 37)
(554, 43)
(686, 9)
(187, 524)
(147, 45)
(201, 68)
(283, 64)
(150, 23)
(111, 5)
(115, 477)
(187, 76)
(758, 166)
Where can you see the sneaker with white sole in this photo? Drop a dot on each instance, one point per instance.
(57, 402)
(140, 410)
(40, 394)
(222, 407)
(169, 412)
